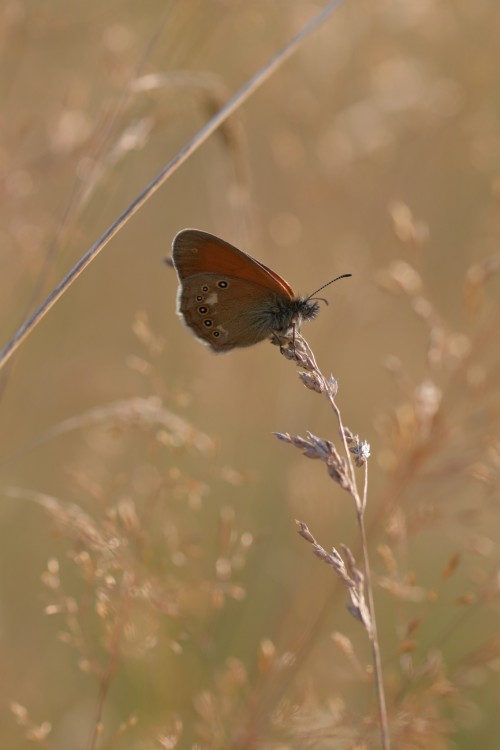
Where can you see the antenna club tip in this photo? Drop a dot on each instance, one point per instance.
(343, 276)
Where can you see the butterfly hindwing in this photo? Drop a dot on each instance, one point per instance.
(225, 312)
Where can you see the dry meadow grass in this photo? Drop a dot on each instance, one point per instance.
(154, 592)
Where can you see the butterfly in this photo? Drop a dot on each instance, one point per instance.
(229, 299)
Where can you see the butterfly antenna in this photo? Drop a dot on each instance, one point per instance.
(313, 295)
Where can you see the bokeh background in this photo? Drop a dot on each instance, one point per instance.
(153, 590)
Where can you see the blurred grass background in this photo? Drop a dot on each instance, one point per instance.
(375, 150)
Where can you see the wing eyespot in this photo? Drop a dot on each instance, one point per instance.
(203, 310)
(222, 284)
(207, 323)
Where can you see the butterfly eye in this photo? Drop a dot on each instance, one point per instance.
(222, 284)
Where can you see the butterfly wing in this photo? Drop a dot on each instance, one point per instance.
(194, 252)
(226, 312)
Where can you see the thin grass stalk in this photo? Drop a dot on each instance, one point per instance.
(244, 93)
(299, 351)
(372, 631)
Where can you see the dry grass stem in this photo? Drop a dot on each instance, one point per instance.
(342, 470)
(349, 574)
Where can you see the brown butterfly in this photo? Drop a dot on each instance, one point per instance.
(229, 299)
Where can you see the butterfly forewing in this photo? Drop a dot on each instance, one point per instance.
(197, 252)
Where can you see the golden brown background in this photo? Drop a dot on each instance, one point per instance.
(375, 150)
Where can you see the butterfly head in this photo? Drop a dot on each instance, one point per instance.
(289, 314)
